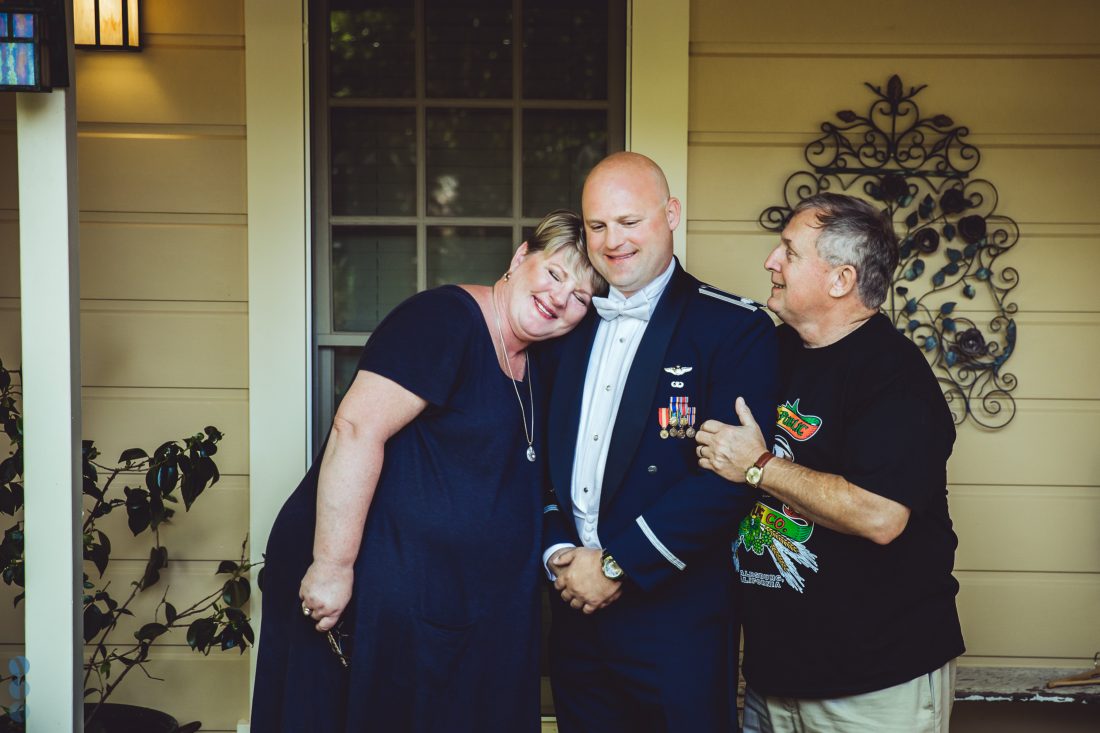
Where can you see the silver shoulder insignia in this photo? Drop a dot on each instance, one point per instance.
(678, 370)
(747, 303)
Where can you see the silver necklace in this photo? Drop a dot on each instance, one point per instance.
(530, 436)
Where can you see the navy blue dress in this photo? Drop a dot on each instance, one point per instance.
(443, 622)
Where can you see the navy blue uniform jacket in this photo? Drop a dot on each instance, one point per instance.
(666, 521)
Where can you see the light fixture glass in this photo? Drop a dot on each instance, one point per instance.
(107, 24)
(20, 61)
(84, 23)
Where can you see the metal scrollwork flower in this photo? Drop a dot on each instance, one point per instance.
(948, 277)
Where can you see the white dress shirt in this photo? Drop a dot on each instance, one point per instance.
(609, 365)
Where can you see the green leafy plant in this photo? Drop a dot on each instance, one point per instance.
(153, 486)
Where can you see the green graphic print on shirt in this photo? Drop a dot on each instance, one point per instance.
(781, 533)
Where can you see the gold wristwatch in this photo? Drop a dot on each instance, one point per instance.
(611, 569)
(755, 472)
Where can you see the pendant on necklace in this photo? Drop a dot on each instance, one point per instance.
(531, 453)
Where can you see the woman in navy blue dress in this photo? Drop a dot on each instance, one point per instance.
(401, 585)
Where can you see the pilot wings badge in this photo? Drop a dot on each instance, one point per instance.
(678, 370)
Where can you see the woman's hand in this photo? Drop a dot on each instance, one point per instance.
(325, 591)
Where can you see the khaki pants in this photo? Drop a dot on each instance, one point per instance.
(921, 705)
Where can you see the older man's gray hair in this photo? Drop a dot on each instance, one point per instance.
(853, 232)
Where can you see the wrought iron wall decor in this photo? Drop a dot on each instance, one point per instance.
(919, 169)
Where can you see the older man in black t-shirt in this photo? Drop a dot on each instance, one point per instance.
(848, 603)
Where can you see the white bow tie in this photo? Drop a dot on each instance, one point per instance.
(611, 308)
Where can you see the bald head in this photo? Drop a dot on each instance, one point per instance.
(633, 165)
(629, 218)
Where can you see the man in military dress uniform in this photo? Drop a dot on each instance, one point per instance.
(637, 537)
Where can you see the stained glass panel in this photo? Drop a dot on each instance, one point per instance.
(17, 65)
(23, 25)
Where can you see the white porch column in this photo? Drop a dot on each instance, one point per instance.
(278, 262)
(657, 94)
(50, 302)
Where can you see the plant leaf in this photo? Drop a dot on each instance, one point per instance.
(150, 631)
(235, 592)
(200, 634)
(132, 454)
(94, 621)
(158, 559)
(138, 512)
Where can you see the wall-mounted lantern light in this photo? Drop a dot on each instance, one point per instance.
(107, 24)
(33, 54)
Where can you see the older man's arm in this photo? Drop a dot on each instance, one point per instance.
(827, 499)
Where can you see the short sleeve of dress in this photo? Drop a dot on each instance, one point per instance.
(422, 343)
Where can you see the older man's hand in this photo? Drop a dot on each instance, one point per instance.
(581, 580)
(729, 450)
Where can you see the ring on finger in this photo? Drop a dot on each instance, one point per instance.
(306, 610)
(699, 451)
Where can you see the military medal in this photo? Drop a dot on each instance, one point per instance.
(681, 411)
(662, 418)
(691, 422)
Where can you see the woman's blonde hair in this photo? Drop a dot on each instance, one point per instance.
(563, 229)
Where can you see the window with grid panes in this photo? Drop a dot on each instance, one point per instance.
(442, 131)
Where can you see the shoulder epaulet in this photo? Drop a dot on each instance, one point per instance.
(746, 303)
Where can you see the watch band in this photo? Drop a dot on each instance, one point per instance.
(763, 459)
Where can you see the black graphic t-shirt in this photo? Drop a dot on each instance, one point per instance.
(827, 614)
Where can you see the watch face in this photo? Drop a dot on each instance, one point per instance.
(753, 476)
(611, 569)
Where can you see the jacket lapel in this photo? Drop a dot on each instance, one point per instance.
(565, 409)
(641, 383)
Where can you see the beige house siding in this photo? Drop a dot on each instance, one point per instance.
(1025, 77)
(164, 303)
